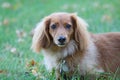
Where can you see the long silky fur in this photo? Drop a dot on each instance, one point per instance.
(41, 38)
(81, 33)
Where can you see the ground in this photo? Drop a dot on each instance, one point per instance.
(19, 17)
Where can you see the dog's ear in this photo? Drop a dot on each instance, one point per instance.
(81, 35)
(41, 37)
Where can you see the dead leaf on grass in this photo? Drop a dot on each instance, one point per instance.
(3, 71)
(13, 50)
(6, 5)
(96, 4)
(32, 67)
(106, 18)
(20, 40)
(21, 33)
(35, 72)
(65, 6)
(6, 21)
(30, 64)
(72, 6)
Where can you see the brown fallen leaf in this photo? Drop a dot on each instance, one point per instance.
(106, 18)
(20, 33)
(3, 71)
(5, 21)
(31, 63)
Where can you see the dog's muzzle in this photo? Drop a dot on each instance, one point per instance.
(61, 40)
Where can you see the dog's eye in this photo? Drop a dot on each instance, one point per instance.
(68, 26)
(53, 26)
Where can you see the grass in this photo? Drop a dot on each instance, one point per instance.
(19, 17)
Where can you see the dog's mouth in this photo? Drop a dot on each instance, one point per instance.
(61, 44)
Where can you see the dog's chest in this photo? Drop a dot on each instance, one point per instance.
(88, 63)
(51, 59)
(55, 61)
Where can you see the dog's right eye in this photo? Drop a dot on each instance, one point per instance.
(53, 26)
(68, 26)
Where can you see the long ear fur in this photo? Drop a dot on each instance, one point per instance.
(81, 33)
(41, 38)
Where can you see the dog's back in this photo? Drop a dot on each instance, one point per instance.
(108, 46)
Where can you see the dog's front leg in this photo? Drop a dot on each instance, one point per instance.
(58, 75)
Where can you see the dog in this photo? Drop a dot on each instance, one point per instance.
(70, 49)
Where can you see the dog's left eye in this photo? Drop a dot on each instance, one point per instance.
(68, 26)
(53, 26)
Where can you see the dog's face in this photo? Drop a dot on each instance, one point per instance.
(61, 29)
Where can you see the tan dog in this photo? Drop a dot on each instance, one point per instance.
(70, 49)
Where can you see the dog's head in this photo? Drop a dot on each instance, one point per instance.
(60, 29)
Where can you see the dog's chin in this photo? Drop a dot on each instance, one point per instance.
(61, 45)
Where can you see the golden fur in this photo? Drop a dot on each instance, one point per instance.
(82, 52)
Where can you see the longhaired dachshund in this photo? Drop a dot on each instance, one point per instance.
(70, 49)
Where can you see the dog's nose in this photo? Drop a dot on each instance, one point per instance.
(61, 39)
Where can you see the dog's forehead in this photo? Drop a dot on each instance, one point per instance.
(60, 17)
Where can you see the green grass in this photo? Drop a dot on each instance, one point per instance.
(22, 15)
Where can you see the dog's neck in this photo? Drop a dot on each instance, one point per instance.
(69, 49)
(54, 55)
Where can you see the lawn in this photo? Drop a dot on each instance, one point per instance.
(19, 17)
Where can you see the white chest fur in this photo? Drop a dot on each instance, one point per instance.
(51, 58)
(88, 64)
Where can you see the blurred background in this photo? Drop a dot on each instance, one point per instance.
(19, 17)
